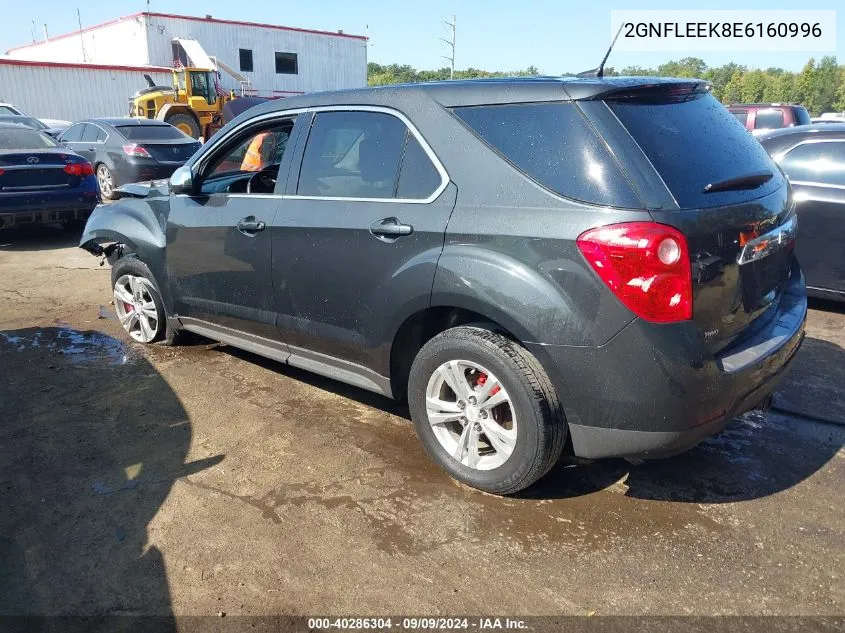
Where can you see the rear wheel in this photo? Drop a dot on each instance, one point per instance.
(138, 304)
(185, 123)
(485, 410)
(105, 181)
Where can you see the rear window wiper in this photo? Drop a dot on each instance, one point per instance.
(748, 181)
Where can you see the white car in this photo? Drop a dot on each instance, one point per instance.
(8, 108)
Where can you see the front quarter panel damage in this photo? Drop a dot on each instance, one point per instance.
(131, 227)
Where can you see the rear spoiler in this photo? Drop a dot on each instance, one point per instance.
(659, 91)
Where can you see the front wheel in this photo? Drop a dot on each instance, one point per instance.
(485, 410)
(138, 304)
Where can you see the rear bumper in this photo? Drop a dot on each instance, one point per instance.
(655, 390)
(48, 206)
(143, 171)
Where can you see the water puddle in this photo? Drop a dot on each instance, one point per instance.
(74, 346)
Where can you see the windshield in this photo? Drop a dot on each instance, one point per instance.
(24, 138)
(179, 78)
(150, 132)
(696, 142)
(202, 85)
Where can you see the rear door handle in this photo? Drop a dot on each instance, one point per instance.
(250, 225)
(390, 228)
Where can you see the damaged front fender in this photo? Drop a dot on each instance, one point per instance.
(131, 226)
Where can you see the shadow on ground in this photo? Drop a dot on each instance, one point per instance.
(757, 455)
(37, 237)
(92, 439)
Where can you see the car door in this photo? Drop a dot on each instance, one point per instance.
(72, 137)
(356, 244)
(91, 142)
(218, 251)
(816, 169)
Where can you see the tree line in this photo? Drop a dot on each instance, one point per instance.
(820, 85)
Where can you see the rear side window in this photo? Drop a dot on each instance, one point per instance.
(693, 143)
(150, 132)
(365, 155)
(802, 117)
(816, 162)
(741, 116)
(768, 120)
(552, 144)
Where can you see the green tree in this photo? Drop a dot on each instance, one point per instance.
(753, 86)
(839, 104)
(733, 89)
(692, 67)
(805, 84)
(824, 86)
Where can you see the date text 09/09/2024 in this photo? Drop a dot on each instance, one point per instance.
(721, 29)
(411, 623)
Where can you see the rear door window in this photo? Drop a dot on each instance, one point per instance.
(816, 162)
(418, 177)
(552, 144)
(694, 142)
(74, 133)
(352, 155)
(768, 120)
(90, 134)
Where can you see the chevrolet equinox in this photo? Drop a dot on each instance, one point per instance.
(603, 266)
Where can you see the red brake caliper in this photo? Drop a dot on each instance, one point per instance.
(482, 378)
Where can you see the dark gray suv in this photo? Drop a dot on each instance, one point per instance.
(603, 266)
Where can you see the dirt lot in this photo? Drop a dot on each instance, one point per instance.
(204, 480)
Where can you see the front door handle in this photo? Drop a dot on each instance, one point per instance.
(250, 225)
(390, 228)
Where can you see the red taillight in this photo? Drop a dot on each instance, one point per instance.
(646, 265)
(133, 149)
(2, 171)
(79, 169)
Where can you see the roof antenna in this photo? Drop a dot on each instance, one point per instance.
(599, 72)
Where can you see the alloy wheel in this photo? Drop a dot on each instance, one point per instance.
(471, 414)
(105, 181)
(135, 307)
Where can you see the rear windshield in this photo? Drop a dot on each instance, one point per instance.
(24, 138)
(553, 144)
(694, 143)
(150, 132)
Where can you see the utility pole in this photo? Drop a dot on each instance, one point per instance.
(81, 35)
(451, 44)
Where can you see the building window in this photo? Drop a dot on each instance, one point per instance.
(246, 60)
(286, 64)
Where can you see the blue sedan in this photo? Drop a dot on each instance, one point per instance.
(41, 181)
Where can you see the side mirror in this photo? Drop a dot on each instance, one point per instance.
(182, 181)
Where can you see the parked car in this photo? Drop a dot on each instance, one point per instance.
(813, 158)
(31, 123)
(129, 150)
(824, 119)
(41, 181)
(758, 118)
(604, 264)
(60, 124)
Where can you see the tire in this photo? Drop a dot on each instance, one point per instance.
(531, 407)
(105, 182)
(163, 331)
(186, 123)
